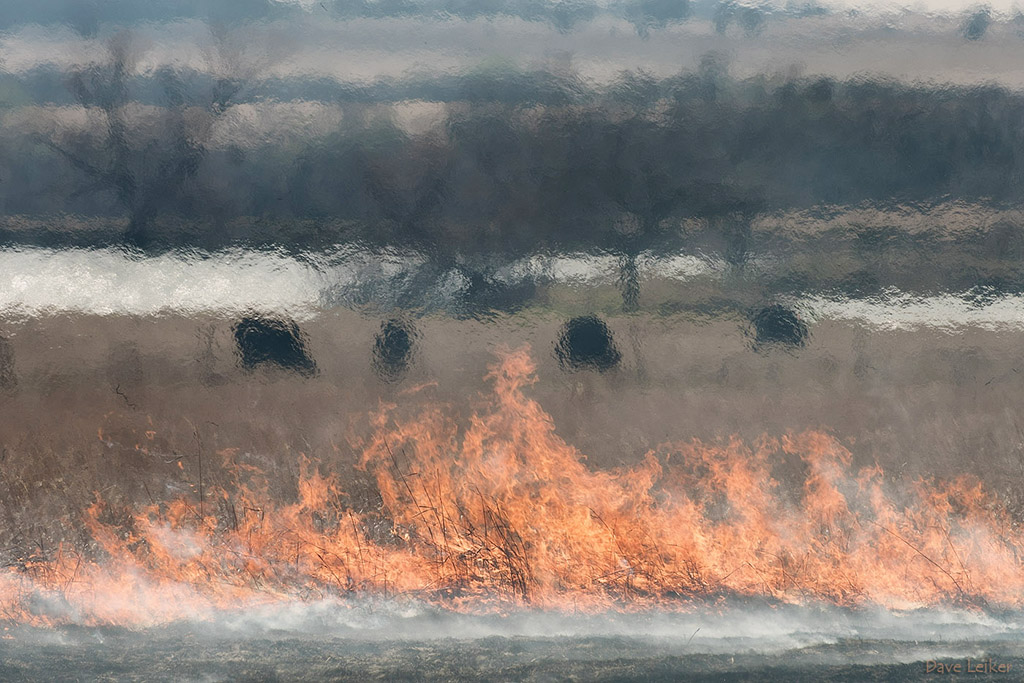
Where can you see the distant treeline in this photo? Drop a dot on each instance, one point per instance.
(522, 160)
(88, 16)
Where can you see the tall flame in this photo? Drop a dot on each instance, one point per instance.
(498, 512)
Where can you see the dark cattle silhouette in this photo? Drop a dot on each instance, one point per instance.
(269, 341)
(393, 349)
(777, 325)
(586, 343)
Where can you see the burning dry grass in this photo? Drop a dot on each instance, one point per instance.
(498, 512)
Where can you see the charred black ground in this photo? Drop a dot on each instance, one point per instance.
(157, 656)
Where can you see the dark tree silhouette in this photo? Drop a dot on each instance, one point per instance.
(977, 24)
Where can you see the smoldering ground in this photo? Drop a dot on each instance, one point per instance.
(337, 642)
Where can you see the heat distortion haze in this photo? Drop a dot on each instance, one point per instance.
(444, 340)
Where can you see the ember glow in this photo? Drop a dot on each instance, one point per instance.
(496, 513)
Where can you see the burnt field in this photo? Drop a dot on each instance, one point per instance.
(789, 645)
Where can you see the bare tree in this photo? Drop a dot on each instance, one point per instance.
(149, 170)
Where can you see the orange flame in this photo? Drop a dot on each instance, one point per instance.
(501, 513)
